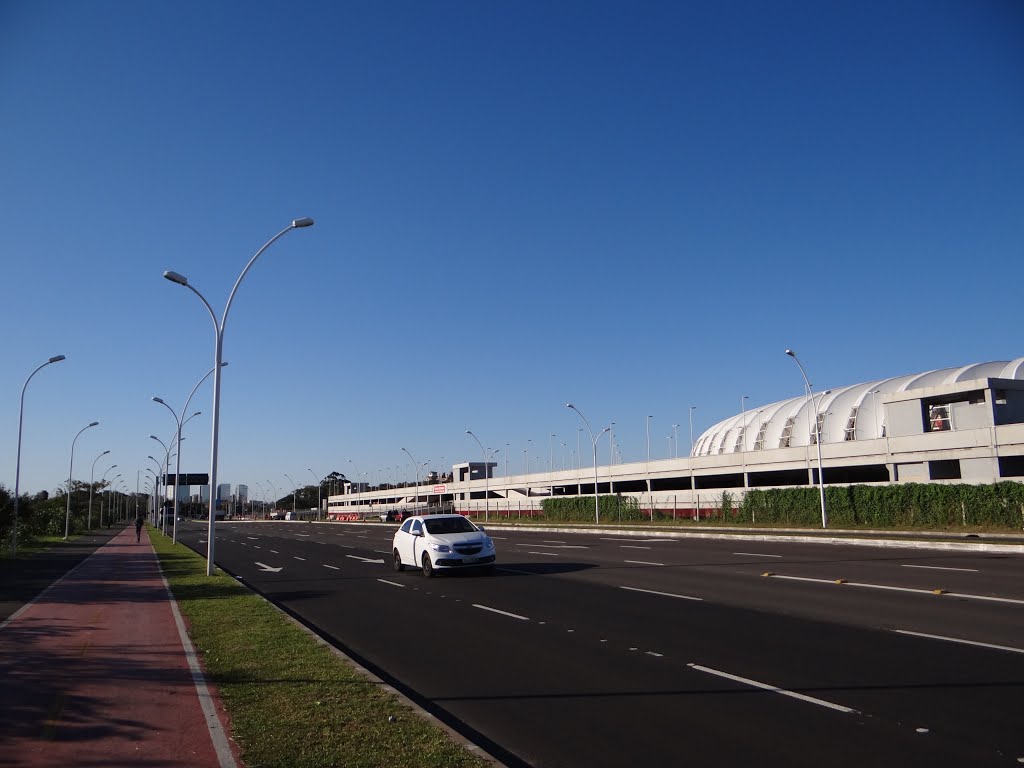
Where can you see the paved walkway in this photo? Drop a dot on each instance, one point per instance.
(96, 672)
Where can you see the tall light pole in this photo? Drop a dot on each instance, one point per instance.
(295, 493)
(417, 465)
(92, 476)
(647, 467)
(102, 479)
(165, 469)
(180, 424)
(17, 465)
(817, 435)
(319, 497)
(675, 441)
(218, 329)
(359, 485)
(67, 515)
(593, 441)
(487, 479)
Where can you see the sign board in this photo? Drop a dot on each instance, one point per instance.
(191, 479)
(440, 489)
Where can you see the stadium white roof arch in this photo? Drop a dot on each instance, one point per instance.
(848, 413)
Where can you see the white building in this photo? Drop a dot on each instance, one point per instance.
(961, 424)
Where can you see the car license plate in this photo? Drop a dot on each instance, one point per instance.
(470, 559)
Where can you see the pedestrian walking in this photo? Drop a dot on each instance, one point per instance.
(138, 528)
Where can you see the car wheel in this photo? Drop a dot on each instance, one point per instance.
(428, 567)
(397, 562)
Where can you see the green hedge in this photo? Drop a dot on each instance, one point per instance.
(913, 505)
(580, 509)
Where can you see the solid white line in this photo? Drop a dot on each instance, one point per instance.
(773, 689)
(941, 568)
(301, 558)
(628, 546)
(332, 567)
(641, 562)
(754, 554)
(548, 554)
(503, 613)
(1009, 648)
(890, 588)
(663, 594)
(392, 583)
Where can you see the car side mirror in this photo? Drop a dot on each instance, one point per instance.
(481, 528)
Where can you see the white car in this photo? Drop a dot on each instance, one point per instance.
(441, 542)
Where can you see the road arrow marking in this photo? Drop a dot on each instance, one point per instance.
(366, 559)
(267, 569)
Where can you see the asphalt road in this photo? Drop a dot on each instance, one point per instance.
(589, 650)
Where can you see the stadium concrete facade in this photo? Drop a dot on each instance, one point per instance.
(962, 424)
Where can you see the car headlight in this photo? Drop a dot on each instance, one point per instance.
(440, 547)
(488, 544)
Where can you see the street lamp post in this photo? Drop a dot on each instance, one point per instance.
(359, 486)
(295, 492)
(17, 465)
(67, 515)
(416, 464)
(92, 476)
(180, 424)
(817, 434)
(102, 480)
(487, 479)
(593, 440)
(319, 497)
(218, 328)
(165, 468)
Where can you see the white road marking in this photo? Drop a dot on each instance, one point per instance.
(552, 541)
(755, 554)
(941, 568)
(663, 594)
(275, 551)
(640, 562)
(503, 613)
(347, 546)
(252, 538)
(332, 567)
(553, 546)
(890, 588)
(305, 535)
(630, 546)
(656, 655)
(256, 546)
(634, 541)
(548, 554)
(773, 689)
(268, 569)
(366, 559)
(1009, 648)
(392, 583)
(301, 558)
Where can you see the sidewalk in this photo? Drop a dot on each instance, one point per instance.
(95, 672)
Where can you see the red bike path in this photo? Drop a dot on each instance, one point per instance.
(96, 672)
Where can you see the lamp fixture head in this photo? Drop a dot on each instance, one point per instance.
(174, 277)
(156, 399)
(791, 353)
(56, 359)
(303, 222)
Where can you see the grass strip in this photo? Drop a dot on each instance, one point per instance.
(290, 700)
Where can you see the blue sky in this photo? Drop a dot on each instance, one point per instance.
(633, 206)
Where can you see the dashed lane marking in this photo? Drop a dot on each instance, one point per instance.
(959, 640)
(663, 594)
(503, 613)
(773, 689)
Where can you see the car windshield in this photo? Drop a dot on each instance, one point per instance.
(449, 525)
